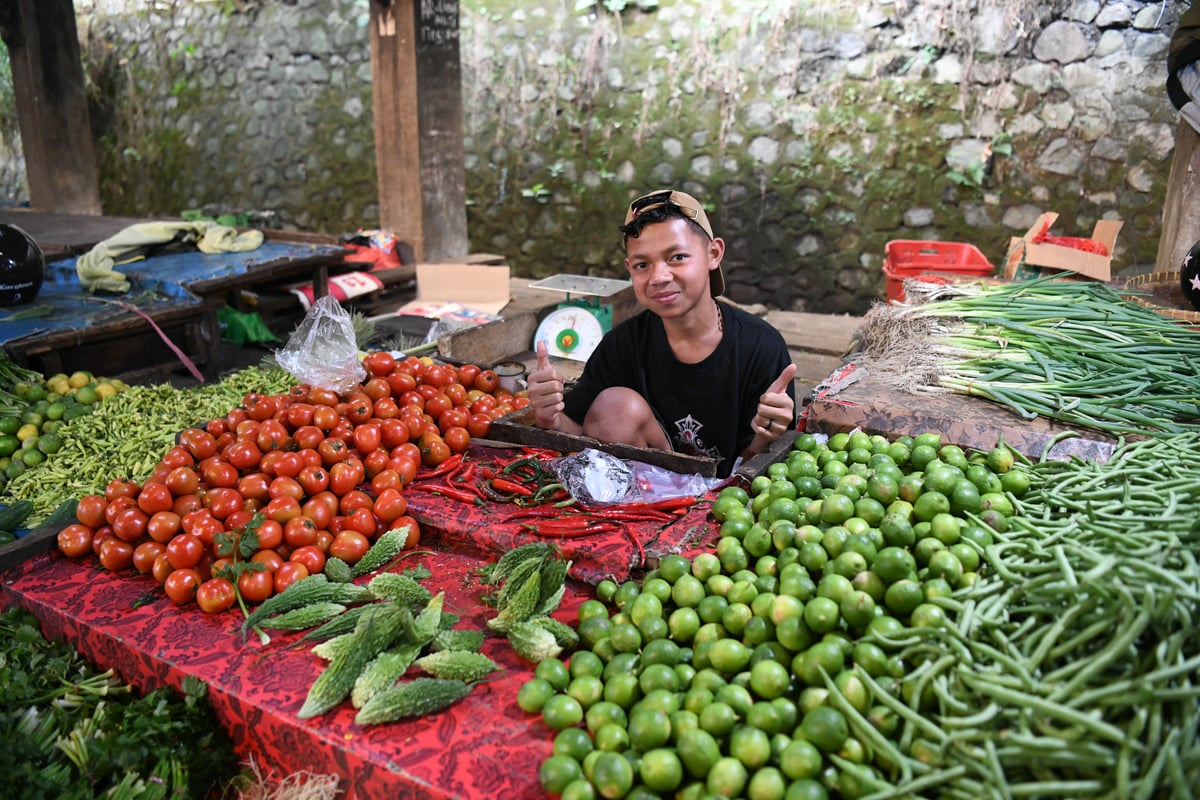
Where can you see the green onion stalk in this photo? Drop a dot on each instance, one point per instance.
(1073, 351)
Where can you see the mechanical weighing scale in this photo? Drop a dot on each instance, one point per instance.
(575, 326)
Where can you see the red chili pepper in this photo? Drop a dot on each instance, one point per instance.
(446, 466)
(512, 487)
(454, 493)
(627, 514)
(465, 474)
(673, 503)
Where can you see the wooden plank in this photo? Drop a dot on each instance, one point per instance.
(417, 90)
(492, 342)
(35, 543)
(52, 108)
(818, 333)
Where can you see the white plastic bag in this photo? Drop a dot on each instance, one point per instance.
(594, 477)
(322, 350)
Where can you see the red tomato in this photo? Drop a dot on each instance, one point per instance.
(130, 524)
(379, 362)
(163, 525)
(299, 415)
(350, 546)
(75, 540)
(313, 480)
(438, 405)
(184, 551)
(457, 439)
(376, 388)
(401, 382)
(222, 501)
(405, 467)
(318, 511)
(179, 456)
(116, 506)
(215, 595)
(386, 408)
(243, 454)
(311, 556)
(185, 504)
(199, 442)
(434, 451)
(310, 457)
(116, 555)
(286, 487)
(367, 437)
(282, 508)
(414, 530)
(375, 462)
(389, 505)
(255, 486)
(181, 481)
(220, 473)
(487, 381)
(345, 476)
(308, 437)
(478, 425)
(272, 435)
(145, 554)
(385, 479)
(260, 406)
(256, 586)
(288, 573)
(181, 586)
(320, 396)
(411, 399)
(300, 531)
(333, 451)
(325, 418)
(482, 404)
(457, 394)
(90, 510)
(154, 498)
(362, 521)
(121, 487)
(270, 534)
(467, 374)
(239, 520)
(268, 558)
(359, 408)
(354, 500)
(235, 417)
(392, 432)
(161, 568)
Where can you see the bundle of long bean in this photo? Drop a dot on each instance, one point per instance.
(1074, 669)
(1074, 351)
(125, 439)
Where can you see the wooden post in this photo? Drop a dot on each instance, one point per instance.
(51, 100)
(1181, 207)
(417, 86)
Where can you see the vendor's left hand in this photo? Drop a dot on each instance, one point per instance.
(776, 412)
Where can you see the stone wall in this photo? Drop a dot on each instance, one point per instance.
(815, 131)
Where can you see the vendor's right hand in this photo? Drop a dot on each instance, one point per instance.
(545, 389)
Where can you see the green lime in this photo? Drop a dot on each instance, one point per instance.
(33, 457)
(965, 498)
(612, 737)
(727, 778)
(857, 609)
(557, 771)
(1015, 482)
(1000, 459)
(930, 503)
(893, 563)
(729, 656)
(603, 713)
(649, 728)
(928, 615)
(705, 565)
(821, 614)
(9, 444)
(945, 565)
(661, 770)
(533, 694)
(573, 742)
(801, 759)
(750, 746)
(903, 596)
(769, 680)
(593, 629)
(946, 528)
(587, 689)
(612, 775)
(826, 728)
(554, 672)
(49, 443)
(562, 711)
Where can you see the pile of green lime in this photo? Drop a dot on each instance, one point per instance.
(31, 433)
(769, 668)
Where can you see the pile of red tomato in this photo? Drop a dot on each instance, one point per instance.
(326, 472)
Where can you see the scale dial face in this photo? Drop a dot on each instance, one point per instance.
(570, 332)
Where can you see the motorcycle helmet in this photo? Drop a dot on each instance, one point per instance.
(22, 266)
(1189, 276)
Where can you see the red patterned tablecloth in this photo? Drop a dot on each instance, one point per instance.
(483, 747)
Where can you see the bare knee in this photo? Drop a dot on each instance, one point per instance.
(620, 414)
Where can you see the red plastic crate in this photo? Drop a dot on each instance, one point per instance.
(909, 258)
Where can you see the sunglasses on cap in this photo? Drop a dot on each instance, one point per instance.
(680, 201)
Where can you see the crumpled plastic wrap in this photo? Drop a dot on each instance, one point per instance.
(594, 477)
(322, 351)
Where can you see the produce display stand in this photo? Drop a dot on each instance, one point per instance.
(482, 747)
(179, 293)
(852, 398)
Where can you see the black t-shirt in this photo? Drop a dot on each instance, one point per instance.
(704, 408)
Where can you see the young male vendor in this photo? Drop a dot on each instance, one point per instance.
(689, 373)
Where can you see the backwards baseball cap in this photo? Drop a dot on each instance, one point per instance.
(689, 207)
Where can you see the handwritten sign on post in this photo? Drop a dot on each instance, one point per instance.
(437, 22)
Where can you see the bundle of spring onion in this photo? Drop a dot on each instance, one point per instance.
(1075, 351)
(1073, 668)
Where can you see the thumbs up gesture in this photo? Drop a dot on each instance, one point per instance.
(776, 412)
(545, 389)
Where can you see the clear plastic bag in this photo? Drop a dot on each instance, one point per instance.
(322, 351)
(594, 477)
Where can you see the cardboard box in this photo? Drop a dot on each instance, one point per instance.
(1027, 257)
(476, 287)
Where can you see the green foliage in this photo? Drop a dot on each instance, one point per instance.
(614, 6)
(71, 731)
